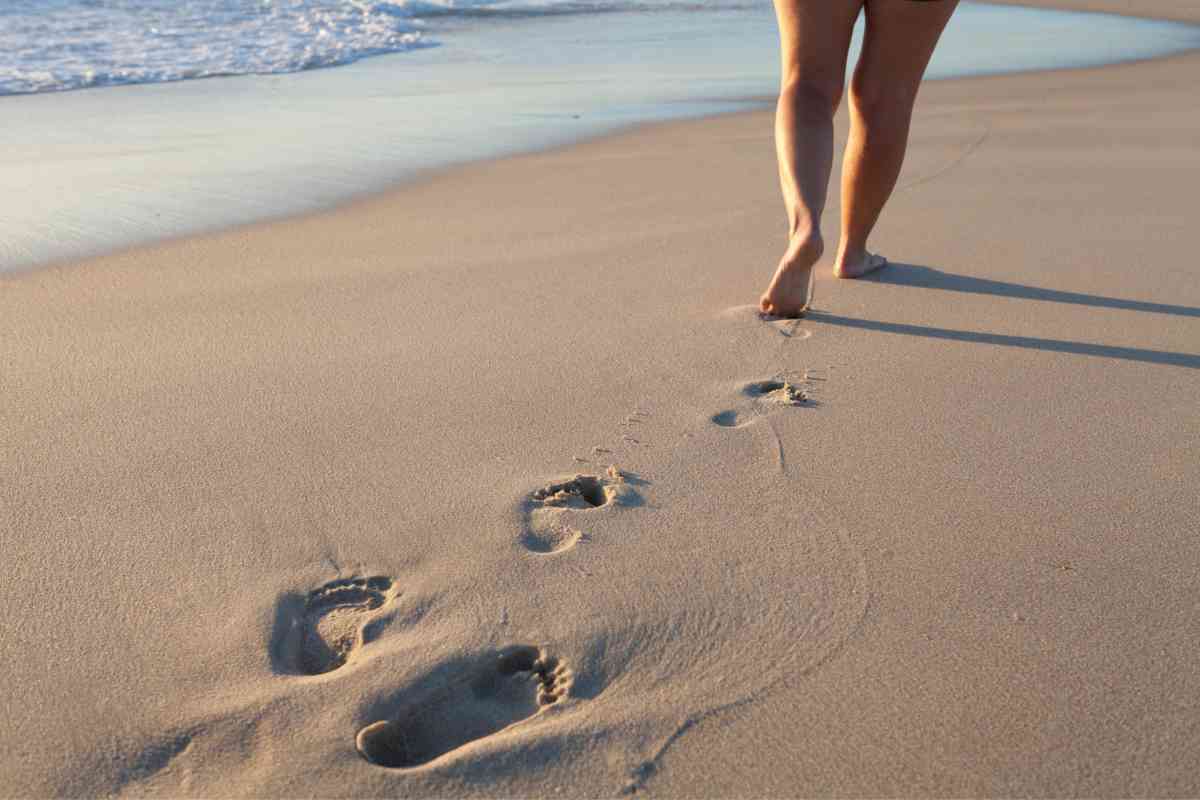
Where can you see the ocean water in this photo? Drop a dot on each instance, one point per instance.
(128, 121)
(57, 45)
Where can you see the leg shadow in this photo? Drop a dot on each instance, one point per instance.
(916, 275)
(1164, 357)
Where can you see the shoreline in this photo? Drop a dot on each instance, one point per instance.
(1165, 10)
(953, 554)
(414, 175)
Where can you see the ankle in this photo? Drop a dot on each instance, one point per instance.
(806, 237)
(849, 254)
(805, 246)
(804, 226)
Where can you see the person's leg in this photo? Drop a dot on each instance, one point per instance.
(814, 37)
(899, 42)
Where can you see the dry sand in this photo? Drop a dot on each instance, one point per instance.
(966, 564)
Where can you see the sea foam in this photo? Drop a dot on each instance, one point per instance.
(56, 45)
(53, 45)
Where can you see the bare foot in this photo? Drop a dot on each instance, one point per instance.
(788, 295)
(857, 266)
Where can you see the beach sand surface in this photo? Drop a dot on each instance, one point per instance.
(264, 489)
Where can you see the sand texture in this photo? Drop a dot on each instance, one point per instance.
(497, 485)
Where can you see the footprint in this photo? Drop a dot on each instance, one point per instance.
(774, 392)
(519, 683)
(582, 491)
(780, 392)
(788, 327)
(548, 510)
(733, 418)
(550, 538)
(334, 618)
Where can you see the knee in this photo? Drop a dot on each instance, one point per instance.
(811, 94)
(881, 103)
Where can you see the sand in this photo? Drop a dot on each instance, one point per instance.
(499, 478)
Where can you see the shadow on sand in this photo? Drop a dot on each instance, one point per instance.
(900, 274)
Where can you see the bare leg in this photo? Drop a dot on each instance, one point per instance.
(814, 37)
(899, 42)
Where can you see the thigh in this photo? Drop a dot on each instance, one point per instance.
(900, 38)
(814, 39)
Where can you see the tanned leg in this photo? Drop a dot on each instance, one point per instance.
(899, 42)
(814, 37)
